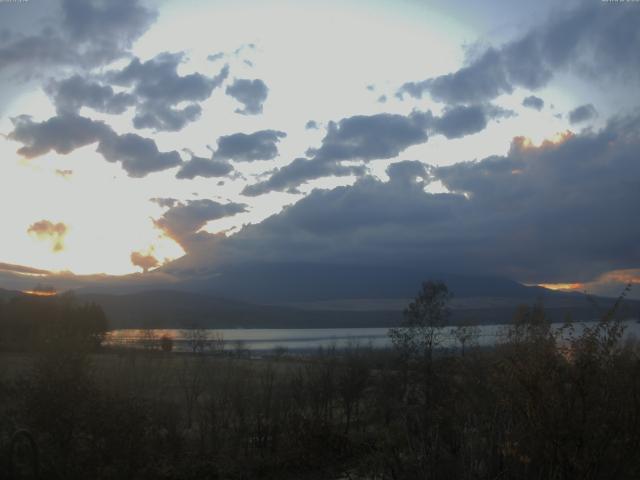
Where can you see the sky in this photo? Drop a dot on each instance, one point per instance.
(158, 141)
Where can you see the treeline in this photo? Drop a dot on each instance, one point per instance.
(36, 323)
(542, 404)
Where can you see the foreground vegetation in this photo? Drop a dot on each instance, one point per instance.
(541, 404)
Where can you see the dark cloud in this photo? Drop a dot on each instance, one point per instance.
(248, 147)
(552, 213)
(51, 232)
(372, 137)
(154, 88)
(204, 167)
(592, 39)
(183, 220)
(76, 33)
(289, 177)
(161, 118)
(533, 102)
(408, 172)
(138, 156)
(366, 138)
(311, 125)
(158, 90)
(145, 261)
(251, 93)
(71, 94)
(582, 114)
(461, 121)
(482, 80)
(108, 25)
(62, 134)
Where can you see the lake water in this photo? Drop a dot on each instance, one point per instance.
(263, 340)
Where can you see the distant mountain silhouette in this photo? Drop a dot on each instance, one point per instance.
(180, 309)
(289, 295)
(304, 282)
(7, 294)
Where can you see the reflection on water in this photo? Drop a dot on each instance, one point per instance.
(300, 339)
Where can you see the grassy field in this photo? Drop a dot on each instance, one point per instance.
(531, 407)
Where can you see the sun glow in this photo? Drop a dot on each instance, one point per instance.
(562, 286)
(630, 276)
(526, 143)
(40, 293)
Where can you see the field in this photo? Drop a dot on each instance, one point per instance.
(542, 402)
(527, 408)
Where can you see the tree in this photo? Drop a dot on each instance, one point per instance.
(424, 318)
(166, 343)
(465, 333)
(198, 340)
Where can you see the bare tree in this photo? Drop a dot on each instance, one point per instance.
(216, 343)
(149, 339)
(424, 320)
(465, 333)
(198, 340)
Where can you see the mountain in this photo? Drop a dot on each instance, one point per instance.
(277, 283)
(329, 296)
(322, 296)
(181, 309)
(8, 294)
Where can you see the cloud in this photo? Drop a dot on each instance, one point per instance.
(158, 90)
(372, 137)
(215, 56)
(612, 283)
(71, 94)
(51, 232)
(311, 125)
(21, 269)
(461, 121)
(138, 156)
(408, 172)
(75, 33)
(592, 39)
(164, 202)
(366, 138)
(61, 134)
(251, 93)
(483, 80)
(182, 221)
(243, 147)
(144, 261)
(558, 212)
(289, 177)
(154, 88)
(204, 167)
(582, 114)
(533, 102)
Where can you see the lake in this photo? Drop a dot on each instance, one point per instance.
(302, 339)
